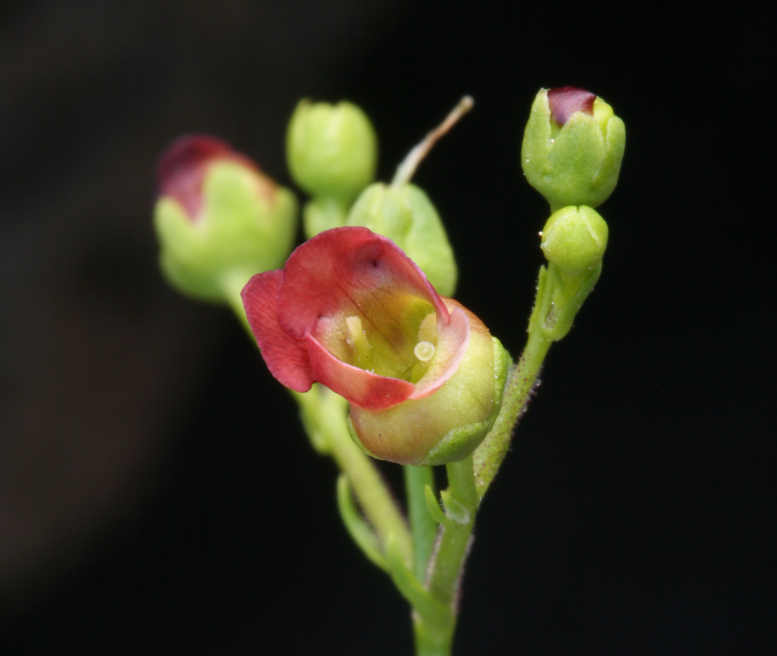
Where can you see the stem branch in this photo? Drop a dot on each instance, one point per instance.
(422, 527)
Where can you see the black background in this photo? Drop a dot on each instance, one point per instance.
(634, 513)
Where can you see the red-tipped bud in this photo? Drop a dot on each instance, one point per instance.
(219, 218)
(565, 101)
(572, 147)
(182, 168)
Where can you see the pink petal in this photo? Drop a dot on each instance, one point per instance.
(294, 313)
(565, 101)
(349, 270)
(286, 357)
(452, 343)
(360, 387)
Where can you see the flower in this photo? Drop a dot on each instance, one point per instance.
(351, 311)
(219, 219)
(572, 147)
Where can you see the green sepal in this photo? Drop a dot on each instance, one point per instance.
(559, 298)
(405, 215)
(454, 510)
(457, 444)
(359, 530)
(462, 441)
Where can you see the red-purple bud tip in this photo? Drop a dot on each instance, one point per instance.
(565, 101)
(181, 169)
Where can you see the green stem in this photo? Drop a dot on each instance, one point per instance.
(327, 411)
(430, 642)
(468, 481)
(422, 527)
(452, 549)
(434, 632)
(521, 380)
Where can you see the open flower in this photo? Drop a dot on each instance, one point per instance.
(351, 311)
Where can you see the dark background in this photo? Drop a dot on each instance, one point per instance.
(156, 491)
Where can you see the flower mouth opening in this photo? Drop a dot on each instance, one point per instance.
(402, 350)
(376, 335)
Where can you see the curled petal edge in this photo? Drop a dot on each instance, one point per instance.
(286, 357)
(360, 387)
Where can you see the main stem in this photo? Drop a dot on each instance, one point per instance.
(434, 633)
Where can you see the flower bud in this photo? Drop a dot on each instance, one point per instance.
(218, 218)
(322, 213)
(572, 147)
(574, 239)
(331, 150)
(405, 215)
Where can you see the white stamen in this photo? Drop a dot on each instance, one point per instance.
(356, 337)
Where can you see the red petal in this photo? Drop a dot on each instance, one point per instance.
(286, 357)
(565, 101)
(360, 387)
(351, 270)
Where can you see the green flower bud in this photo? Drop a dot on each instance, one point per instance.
(405, 215)
(321, 214)
(574, 239)
(331, 150)
(219, 219)
(572, 148)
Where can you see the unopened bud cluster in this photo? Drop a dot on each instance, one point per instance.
(571, 153)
